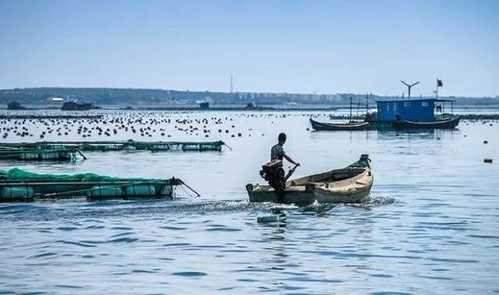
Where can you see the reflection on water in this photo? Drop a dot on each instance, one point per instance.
(430, 226)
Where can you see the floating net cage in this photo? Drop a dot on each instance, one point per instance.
(21, 185)
(38, 154)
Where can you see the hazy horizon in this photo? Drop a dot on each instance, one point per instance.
(404, 94)
(269, 46)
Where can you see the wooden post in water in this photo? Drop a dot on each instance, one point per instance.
(367, 105)
(350, 109)
(358, 109)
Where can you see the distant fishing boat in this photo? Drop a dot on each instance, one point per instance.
(351, 184)
(422, 113)
(349, 126)
(17, 185)
(321, 126)
(407, 114)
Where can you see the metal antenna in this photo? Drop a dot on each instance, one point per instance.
(409, 86)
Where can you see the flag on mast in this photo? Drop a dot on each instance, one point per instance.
(440, 83)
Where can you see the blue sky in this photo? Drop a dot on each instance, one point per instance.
(283, 46)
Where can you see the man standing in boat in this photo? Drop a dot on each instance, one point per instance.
(277, 151)
(273, 171)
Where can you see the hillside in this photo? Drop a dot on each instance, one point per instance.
(127, 96)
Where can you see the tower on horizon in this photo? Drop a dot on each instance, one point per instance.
(231, 83)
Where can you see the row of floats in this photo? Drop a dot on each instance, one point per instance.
(70, 150)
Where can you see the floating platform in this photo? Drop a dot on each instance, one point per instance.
(64, 117)
(130, 145)
(17, 185)
(33, 154)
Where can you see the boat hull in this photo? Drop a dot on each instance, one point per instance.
(320, 126)
(306, 198)
(301, 191)
(440, 124)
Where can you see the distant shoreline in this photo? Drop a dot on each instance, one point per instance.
(286, 108)
(164, 98)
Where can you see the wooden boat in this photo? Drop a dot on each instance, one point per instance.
(17, 185)
(320, 126)
(448, 123)
(347, 185)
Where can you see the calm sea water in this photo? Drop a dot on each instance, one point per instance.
(431, 227)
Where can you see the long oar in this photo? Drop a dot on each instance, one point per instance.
(81, 154)
(290, 172)
(190, 188)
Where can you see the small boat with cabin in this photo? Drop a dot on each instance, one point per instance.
(408, 114)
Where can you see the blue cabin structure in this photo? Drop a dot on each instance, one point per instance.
(420, 110)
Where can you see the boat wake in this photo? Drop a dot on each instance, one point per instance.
(110, 209)
(43, 211)
(373, 202)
